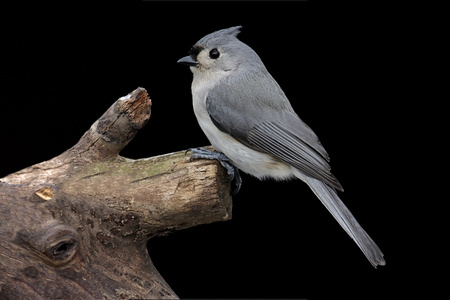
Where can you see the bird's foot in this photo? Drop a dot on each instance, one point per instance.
(198, 153)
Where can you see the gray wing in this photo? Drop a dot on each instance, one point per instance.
(264, 120)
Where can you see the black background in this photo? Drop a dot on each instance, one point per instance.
(343, 67)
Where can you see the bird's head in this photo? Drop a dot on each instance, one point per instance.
(219, 52)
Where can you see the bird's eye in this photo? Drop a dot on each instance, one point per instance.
(214, 53)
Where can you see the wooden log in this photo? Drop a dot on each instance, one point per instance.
(76, 226)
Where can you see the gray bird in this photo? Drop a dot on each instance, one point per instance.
(250, 122)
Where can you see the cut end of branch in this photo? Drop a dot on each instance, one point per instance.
(137, 105)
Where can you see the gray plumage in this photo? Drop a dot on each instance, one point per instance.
(246, 115)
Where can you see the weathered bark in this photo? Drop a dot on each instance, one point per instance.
(76, 226)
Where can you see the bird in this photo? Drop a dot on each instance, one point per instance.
(251, 124)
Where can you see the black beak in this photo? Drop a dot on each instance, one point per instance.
(188, 61)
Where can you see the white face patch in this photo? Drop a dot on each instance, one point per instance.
(205, 61)
(218, 61)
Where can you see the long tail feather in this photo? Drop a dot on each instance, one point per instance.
(340, 212)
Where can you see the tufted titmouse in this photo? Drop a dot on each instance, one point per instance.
(248, 119)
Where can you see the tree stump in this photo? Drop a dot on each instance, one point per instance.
(76, 226)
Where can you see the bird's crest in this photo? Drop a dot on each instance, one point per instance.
(220, 35)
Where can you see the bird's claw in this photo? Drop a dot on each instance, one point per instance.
(232, 171)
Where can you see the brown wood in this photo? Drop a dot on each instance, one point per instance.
(76, 226)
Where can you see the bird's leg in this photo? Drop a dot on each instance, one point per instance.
(224, 161)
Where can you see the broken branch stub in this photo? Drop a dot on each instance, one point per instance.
(76, 226)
